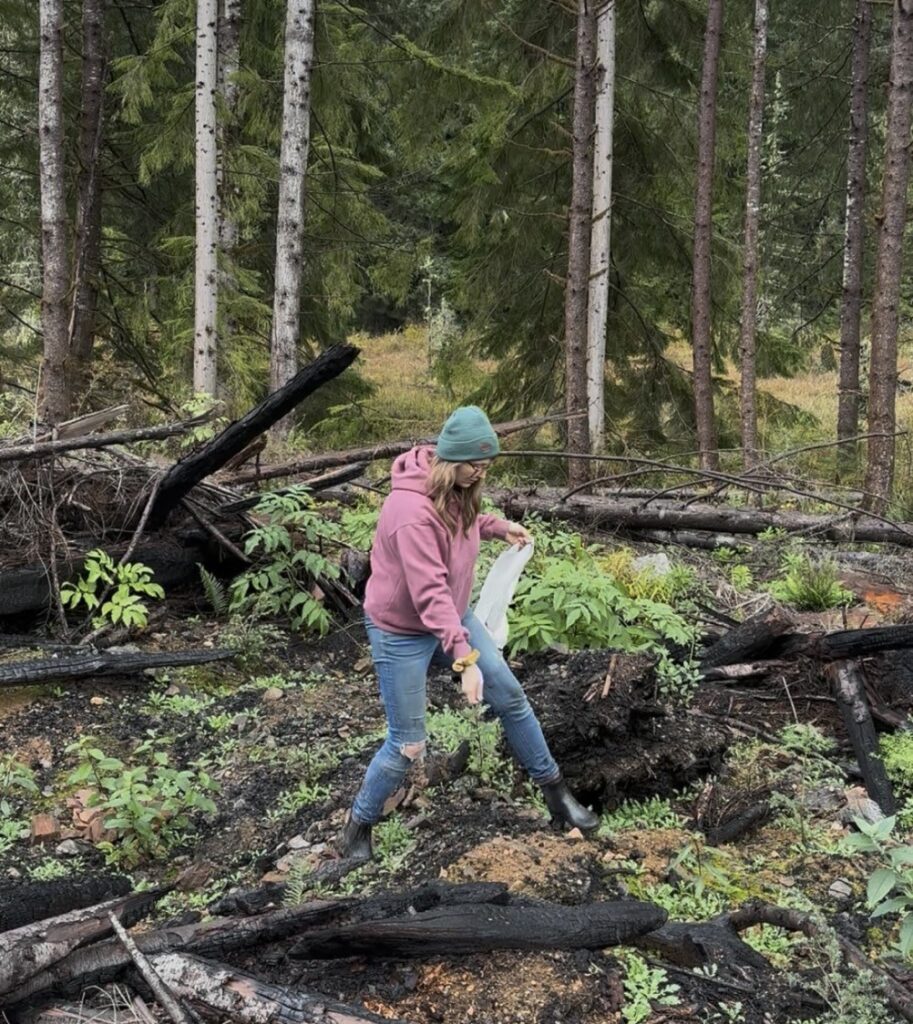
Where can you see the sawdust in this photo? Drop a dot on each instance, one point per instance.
(529, 865)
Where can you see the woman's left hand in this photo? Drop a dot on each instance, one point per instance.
(519, 535)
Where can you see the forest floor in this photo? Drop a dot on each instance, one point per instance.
(286, 733)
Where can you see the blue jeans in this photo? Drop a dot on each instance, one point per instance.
(402, 663)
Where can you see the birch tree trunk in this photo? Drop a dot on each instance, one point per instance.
(879, 474)
(854, 236)
(88, 188)
(206, 271)
(229, 64)
(704, 414)
(54, 400)
(600, 239)
(576, 296)
(749, 313)
(293, 158)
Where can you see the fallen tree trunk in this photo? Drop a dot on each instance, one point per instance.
(372, 453)
(79, 665)
(26, 951)
(454, 930)
(748, 641)
(608, 514)
(185, 474)
(242, 997)
(849, 691)
(41, 449)
(24, 903)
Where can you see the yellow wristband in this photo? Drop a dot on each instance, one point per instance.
(468, 659)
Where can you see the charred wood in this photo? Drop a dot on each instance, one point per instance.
(81, 664)
(458, 929)
(849, 691)
(243, 997)
(26, 951)
(24, 903)
(315, 483)
(185, 474)
(749, 641)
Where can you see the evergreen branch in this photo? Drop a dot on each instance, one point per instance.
(534, 46)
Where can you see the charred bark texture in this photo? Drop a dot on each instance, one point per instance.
(236, 436)
(100, 663)
(22, 904)
(753, 638)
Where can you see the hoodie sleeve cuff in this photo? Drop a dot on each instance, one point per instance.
(460, 649)
(493, 526)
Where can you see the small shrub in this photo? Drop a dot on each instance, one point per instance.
(654, 812)
(449, 728)
(290, 561)
(645, 989)
(145, 801)
(125, 584)
(293, 800)
(809, 585)
(393, 843)
(49, 870)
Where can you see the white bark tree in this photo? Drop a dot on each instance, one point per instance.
(601, 232)
(206, 272)
(750, 252)
(53, 391)
(229, 65)
(293, 158)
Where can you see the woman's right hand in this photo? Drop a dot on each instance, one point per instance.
(471, 684)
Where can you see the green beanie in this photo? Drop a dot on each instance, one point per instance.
(467, 437)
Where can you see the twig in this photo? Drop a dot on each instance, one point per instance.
(167, 1000)
(216, 533)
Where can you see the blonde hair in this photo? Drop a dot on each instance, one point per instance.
(455, 505)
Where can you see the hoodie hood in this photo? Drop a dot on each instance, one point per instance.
(410, 471)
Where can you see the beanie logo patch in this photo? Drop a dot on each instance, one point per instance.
(485, 446)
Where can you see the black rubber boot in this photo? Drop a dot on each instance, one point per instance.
(565, 809)
(354, 841)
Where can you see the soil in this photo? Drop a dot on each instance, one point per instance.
(303, 713)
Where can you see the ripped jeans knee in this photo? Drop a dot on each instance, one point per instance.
(413, 751)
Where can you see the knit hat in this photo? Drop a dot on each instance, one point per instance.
(467, 437)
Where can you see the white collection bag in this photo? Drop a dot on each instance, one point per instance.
(498, 591)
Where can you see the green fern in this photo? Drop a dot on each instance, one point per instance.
(215, 591)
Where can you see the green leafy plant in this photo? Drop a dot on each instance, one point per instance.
(49, 870)
(645, 988)
(253, 641)
(12, 830)
(197, 405)
(215, 591)
(654, 812)
(809, 585)
(448, 728)
(741, 577)
(146, 801)
(181, 704)
(17, 781)
(890, 886)
(393, 843)
(115, 591)
(292, 800)
(290, 561)
(896, 750)
(358, 525)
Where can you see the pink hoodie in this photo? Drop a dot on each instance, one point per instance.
(421, 576)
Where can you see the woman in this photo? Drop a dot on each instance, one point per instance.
(417, 611)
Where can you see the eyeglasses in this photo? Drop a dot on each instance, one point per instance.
(480, 467)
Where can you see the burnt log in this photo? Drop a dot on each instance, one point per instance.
(850, 643)
(243, 997)
(632, 517)
(187, 473)
(849, 692)
(375, 452)
(696, 943)
(26, 951)
(103, 962)
(23, 903)
(739, 824)
(454, 930)
(749, 641)
(91, 663)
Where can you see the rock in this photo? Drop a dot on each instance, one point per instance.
(13, 873)
(860, 805)
(823, 799)
(96, 701)
(297, 842)
(840, 889)
(575, 833)
(290, 860)
(45, 828)
(658, 564)
(274, 876)
(68, 848)
(271, 695)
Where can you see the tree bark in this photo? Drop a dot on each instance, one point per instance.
(854, 237)
(206, 269)
(80, 665)
(601, 232)
(293, 158)
(242, 997)
(749, 314)
(88, 188)
(24, 903)
(849, 691)
(701, 340)
(54, 397)
(879, 474)
(229, 65)
(236, 436)
(578, 260)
